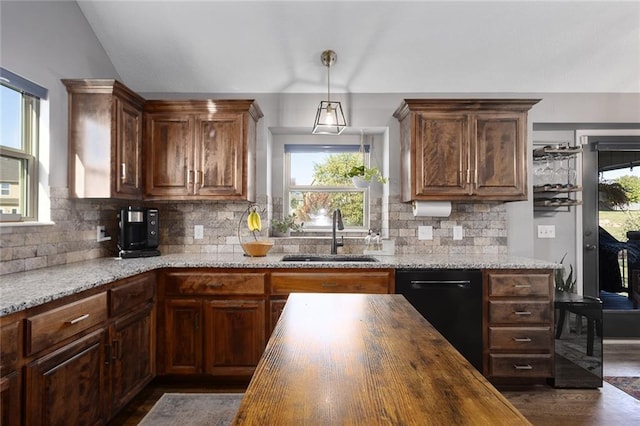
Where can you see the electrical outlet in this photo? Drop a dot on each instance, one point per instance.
(458, 232)
(546, 231)
(425, 232)
(198, 232)
(101, 234)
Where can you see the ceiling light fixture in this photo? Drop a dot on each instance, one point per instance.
(329, 118)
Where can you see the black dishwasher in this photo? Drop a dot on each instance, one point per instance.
(451, 300)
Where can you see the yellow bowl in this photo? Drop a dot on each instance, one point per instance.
(257, 248)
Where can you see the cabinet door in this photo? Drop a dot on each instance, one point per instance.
(10, 400)
(234, 336)
(169, 155)
(128, 149)
(276, 307)
(499, 157)
(104, 152)
(183, 336)
(68, 384)
(219, 168)
(441, 155)
(132, 356)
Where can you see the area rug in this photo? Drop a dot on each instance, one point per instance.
(186, 409)
(630, 385)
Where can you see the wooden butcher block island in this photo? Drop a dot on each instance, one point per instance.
(339, 359)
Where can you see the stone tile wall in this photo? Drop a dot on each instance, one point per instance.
(73, 237)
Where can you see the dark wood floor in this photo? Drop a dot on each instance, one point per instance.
(542, 405)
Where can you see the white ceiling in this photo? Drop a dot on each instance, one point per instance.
(272, 46)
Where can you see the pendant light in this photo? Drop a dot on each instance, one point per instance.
(329, 118)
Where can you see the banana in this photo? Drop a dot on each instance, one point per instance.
(254, 223)
(250, 221)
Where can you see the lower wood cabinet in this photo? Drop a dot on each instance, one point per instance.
(214, 322)
(10, 401)
(234, 336)
(215, 337)
(69, 383)
(83, 358)
(283, 282)
(182, 337)
(518, 332)
(132, 355)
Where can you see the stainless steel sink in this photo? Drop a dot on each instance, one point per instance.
(328, 258)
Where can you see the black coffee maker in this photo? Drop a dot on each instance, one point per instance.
(139, 228)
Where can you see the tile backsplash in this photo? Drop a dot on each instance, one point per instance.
(73, 236)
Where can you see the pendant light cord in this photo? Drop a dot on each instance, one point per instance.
(329, 83)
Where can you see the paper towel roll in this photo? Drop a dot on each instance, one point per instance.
(431, 208)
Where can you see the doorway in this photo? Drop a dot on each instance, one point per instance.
(606, 253)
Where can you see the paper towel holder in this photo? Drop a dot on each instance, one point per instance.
(431, 208)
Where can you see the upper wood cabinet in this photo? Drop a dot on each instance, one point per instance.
(463, 149)
(105, 139)
(202, 149)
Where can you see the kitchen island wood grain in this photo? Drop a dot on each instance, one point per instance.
(337, 359)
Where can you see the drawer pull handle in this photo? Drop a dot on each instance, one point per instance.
(522, 312)
(135, 294)
(215, 285)
(522, 285)
(77, 320)
(522, 367)
(522, 339)
(329, 284)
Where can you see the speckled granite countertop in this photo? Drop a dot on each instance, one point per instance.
(27, 289)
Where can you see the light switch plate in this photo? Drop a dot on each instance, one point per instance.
(101, 234)
(425, 232)
(546, 231)
(458, 232)
(198, 232)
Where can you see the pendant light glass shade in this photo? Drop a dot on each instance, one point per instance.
(329, 117)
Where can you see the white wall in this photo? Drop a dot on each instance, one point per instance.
(45, 42)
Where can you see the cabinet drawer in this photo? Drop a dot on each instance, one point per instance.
(515, 365)
(9, 335)
(215, 283)
(526, 312)
(127, 296)
(51, 327)
(283, 283)
(520, 338)
(537, 285)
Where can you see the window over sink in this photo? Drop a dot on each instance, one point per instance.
(316, 183)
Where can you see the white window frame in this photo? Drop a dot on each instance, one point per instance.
(288, 188)
(31, 95)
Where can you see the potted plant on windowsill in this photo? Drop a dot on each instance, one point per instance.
(362, 176)
(283, 227)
